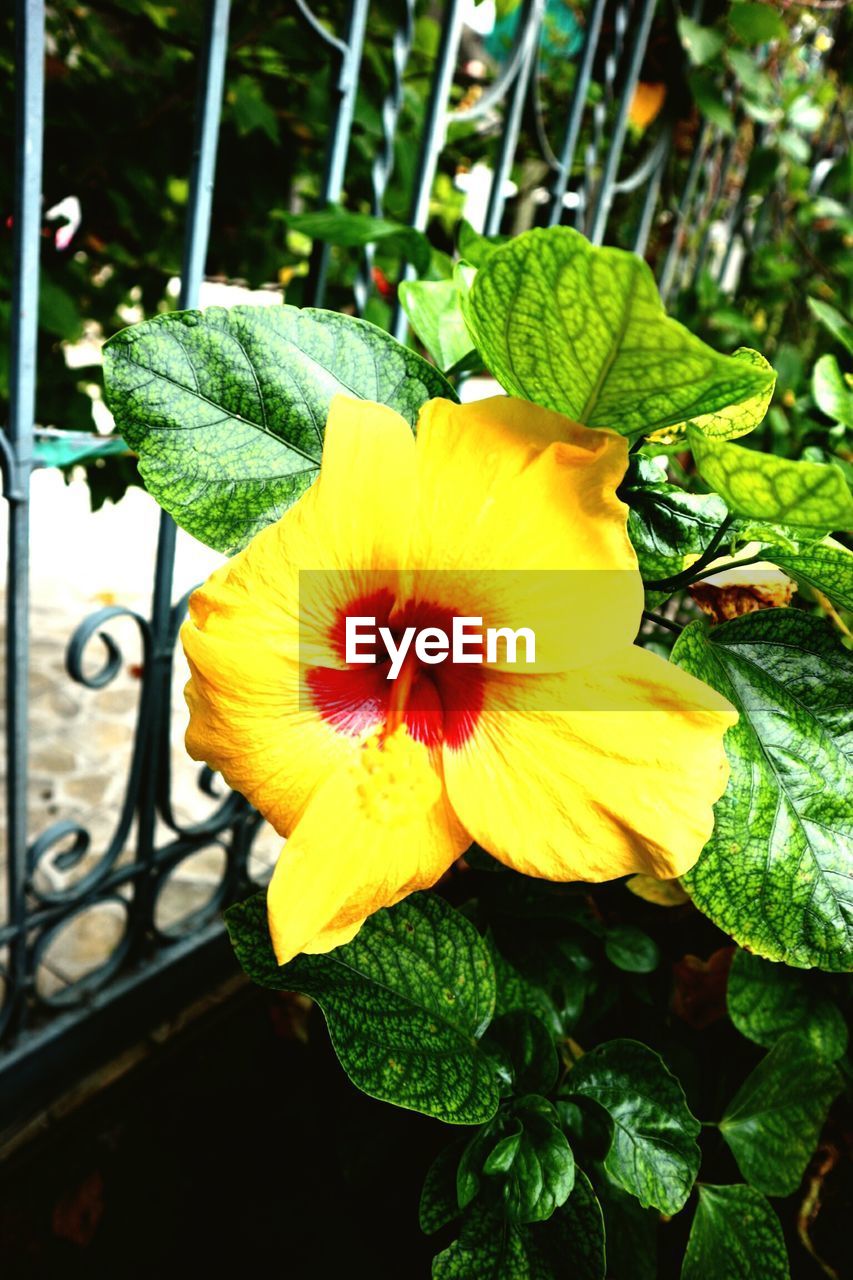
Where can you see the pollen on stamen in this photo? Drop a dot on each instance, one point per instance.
(393, 783)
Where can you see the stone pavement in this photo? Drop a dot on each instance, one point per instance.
(81, 739)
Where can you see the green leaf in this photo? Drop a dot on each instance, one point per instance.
(630, 949)
(58, 311)
(491, 1248)
(494, 1144)
(832, 394)
(525, 1153)
(339, 226)
(757, 82)
(739, 419)
(668, 527)
(631, 1233)
(474, 248)
(541, 1173)
(516, 992)
(832, 320)
(794, 146)
(654, 1153)
(776, 871)
(701, 43)
(805, 114)
(406, 1002)
(569, 1246)
(574, 1238)
(251, 109)
(439, 1204)
(524, 1052)
(588, 1127)
(708, 96)
(776, 536)
(773, 1123)
(502, 1156)
(763, 486)
(756, 23)
(825, 566)
(735, 1236)
(436, 317)
(765, 1000)
(227, 409)
(583, 330)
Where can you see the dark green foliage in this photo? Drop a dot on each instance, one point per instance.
(776, 871)
(405, 1001)
(653, 1152)
(765, 1000)
(773, 1122)
(667, 525)
(227, 409)
(570, 1246)
(523, 1051)
(735, 1236)
(514, 1014)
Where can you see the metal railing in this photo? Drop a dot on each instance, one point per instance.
(42, 1035)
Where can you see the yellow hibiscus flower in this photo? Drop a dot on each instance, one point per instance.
(599, 761)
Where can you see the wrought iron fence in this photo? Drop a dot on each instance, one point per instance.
(587, 171)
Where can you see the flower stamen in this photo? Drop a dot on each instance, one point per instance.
(399, 699)
(392, 781)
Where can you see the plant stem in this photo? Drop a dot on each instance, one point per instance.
(695, 570)
(660, 621)
(731, 564)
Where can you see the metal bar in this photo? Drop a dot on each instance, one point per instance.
(347, 88)
(531, 21)
(597, 141)
(432, 138)
(715, 203)
(208, 108)
(576, 111)
(691, 182)
(52, 911)
(435, 119)
(308, 15)
(340, 126)
(155, 712)
(735, 218)
(646, 169)
(500, 86)
(606, 190)
(650, 200)
(26, 230)
(383, 164)
(44, 1062)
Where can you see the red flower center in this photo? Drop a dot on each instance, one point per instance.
(438, 703)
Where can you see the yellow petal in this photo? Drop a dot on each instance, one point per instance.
(477, 463)
(250, 627)
(608, 771)
(332, 937)
(376, 830)
(507, 486)
(663, 893)
(646, 103)
(363, 502)
(254, 731)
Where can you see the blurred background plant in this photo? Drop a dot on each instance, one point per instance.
(757, 91)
